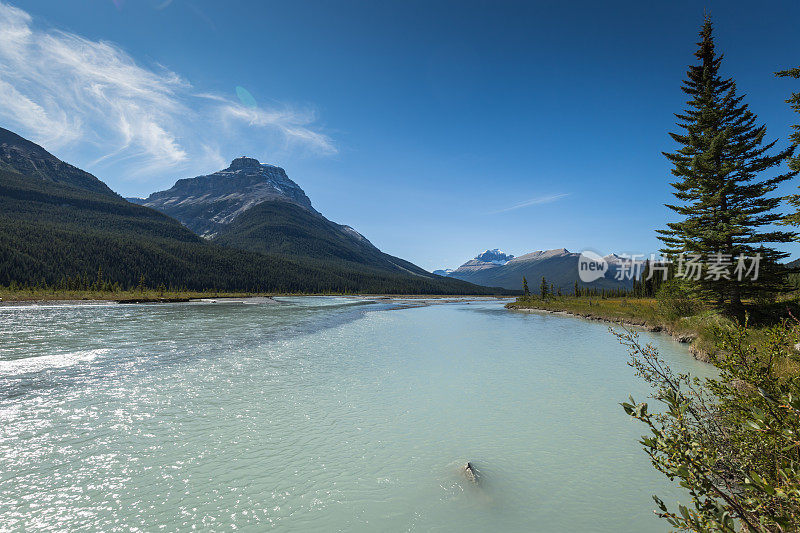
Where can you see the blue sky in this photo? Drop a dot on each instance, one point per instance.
(437, 129)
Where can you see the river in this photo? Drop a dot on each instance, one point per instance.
(320, 414)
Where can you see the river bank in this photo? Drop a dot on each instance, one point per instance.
(700, 331)
(88, 297)
(33, 296)
(703, 331)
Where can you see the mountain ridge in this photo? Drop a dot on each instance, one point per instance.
(206, 203)
(558, 266)
(63, 227)
(18, 154)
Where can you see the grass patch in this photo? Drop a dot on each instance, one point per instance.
(640, 311)
(28, 295)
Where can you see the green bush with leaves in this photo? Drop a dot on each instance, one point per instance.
(732, 441)
(676, 299)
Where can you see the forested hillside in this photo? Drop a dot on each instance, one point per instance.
(56, 234)
(284, 228)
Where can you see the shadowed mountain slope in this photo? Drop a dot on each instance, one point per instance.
(63, 226)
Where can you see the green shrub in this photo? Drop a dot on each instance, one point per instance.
(676, 299)
(732, 441)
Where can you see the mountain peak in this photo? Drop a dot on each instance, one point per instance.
(244, 162)
(541, 254)
(495, 256)
(206, 203)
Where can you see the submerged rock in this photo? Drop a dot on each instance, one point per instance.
(470, 473)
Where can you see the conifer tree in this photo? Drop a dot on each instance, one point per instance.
(543, 288)
(794, 103)
(794, 163)
(525, 290)
(576, 291)
(647, 284)
(723, 201)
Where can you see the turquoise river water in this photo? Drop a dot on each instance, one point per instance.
(320, 414)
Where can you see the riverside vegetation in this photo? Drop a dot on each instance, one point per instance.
(34, 294)
(733, 441)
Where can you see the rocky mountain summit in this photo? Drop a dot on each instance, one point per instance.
(256, 207)
(485, 260)
(205, 204)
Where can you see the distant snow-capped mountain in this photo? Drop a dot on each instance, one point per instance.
(494, 256)
(558, 266)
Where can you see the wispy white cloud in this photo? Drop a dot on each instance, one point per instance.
(63, 90)
(533, 201)
(292, 122)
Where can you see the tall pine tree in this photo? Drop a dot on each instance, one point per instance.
(794, 164)
(724, 203)
(794, 103)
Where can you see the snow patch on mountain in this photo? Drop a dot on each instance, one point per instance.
(494, 256)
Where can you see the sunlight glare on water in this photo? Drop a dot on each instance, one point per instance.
(321, 414)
